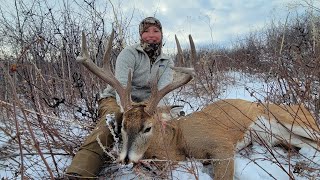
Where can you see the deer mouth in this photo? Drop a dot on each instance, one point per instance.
(129, 157)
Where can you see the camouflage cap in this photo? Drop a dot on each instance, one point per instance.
(147, 22)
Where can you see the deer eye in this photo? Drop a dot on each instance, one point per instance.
(148, 129)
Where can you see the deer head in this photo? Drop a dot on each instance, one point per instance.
(141, 114)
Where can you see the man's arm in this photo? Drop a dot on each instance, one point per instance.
(166, 78)
(125, 62)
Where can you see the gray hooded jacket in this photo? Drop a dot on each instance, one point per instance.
(133, 57)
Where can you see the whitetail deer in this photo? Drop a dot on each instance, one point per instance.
(215, 132)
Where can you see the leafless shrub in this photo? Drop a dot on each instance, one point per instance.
(48, 101)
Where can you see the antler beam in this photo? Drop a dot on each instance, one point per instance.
(157, 95)
(105, 73)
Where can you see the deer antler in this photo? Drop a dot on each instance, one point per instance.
(179, 55)
(105, 73)
(157, 95)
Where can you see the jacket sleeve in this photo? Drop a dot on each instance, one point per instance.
(166, 77)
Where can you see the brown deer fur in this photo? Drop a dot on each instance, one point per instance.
(216, 132)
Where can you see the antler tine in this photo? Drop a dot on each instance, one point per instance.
(157, 95)
(107, 53)
(193, 51)
(105, 73)
(179, 55)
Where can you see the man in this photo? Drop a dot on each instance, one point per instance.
(145, 59)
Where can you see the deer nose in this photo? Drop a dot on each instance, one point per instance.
(126, 159)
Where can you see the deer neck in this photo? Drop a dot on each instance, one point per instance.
(167, 142)
(171, 132)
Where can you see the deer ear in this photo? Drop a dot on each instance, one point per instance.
(172, 112)
(176, 111)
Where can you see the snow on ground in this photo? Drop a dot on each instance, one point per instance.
(262, 165)
(258, 164)
(242, 87)
(251, 163)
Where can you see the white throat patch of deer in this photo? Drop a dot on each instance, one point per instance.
(215, 132)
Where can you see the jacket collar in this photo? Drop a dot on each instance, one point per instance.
(162, 56)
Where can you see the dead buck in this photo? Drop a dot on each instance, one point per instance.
(216, 132)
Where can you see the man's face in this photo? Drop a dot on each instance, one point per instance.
(151, 35)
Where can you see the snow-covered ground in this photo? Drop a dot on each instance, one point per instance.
(252, 163)
(255, 162)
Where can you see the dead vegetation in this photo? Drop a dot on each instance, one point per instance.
(48, 102)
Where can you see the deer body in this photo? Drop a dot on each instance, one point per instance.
(217, 132)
